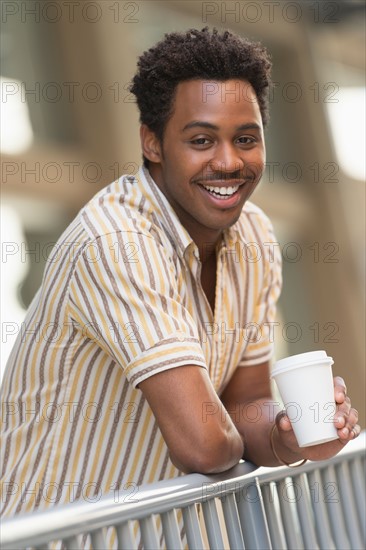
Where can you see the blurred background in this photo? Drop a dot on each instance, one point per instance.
(69, 127)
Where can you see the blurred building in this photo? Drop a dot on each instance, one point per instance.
(70, 127)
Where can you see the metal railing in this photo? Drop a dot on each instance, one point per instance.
(320, 505)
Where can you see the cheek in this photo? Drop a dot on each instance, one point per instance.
(257, 155)
(255, 163)
(182, 168)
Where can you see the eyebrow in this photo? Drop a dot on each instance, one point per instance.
(203, 124)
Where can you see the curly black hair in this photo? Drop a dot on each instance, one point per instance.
(192, 55)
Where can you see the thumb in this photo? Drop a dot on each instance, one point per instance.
(283, 422)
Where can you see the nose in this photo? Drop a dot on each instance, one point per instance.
(227, 159)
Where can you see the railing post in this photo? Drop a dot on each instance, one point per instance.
(358, 487)
(232, 522)
(252, 517)
(321, 517)
(71, 543)
(306, 517)
(212, 525)
(332, 500)
(170, 530)
(149, 533)
(97, 539)
(272, 507)
(192, 527)
(289, 519)
(348, 506)
(125, 536)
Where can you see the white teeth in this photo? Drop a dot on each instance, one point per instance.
(222, 190)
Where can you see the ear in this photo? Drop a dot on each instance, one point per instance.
(150, 144)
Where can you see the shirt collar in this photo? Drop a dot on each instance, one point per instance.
(165, 212)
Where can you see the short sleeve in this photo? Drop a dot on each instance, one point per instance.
(124, 295)
(260, 330)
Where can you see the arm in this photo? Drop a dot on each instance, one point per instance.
(106, 290)
(248, 399)
(249, 392)
(197, 442)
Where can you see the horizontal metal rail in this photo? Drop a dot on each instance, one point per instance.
(318, 505)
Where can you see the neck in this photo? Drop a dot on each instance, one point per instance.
(206, 250)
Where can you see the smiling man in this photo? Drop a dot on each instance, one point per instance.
(148, 345)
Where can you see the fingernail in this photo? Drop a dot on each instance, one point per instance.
(345, 431)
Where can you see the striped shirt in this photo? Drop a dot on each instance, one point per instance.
(120, 301)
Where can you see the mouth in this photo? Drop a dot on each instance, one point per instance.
(222, 192)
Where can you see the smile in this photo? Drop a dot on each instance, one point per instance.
(221, 192)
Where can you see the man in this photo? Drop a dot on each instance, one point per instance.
(149, 339)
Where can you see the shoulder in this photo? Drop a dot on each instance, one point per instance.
(121, 223)
(118, 207)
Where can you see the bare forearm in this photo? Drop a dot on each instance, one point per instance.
(254, 421)
(215, 456)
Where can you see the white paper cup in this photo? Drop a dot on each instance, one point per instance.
(305, 383)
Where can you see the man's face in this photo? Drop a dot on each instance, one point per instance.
(212, 155)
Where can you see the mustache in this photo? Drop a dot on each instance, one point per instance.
(249, 173)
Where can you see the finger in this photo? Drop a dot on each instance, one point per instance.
(345, 418)
(351, 419)
(344, 434)
(286, 432)
(355, 432)
(283, 422)
(348, 434)
(346, 423)
(343, 409)
(340, 389)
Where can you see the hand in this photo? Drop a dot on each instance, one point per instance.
(345, 420)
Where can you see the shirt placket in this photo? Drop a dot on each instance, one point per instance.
(219, 319)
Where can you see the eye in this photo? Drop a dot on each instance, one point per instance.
(246, 140)
(200, 141)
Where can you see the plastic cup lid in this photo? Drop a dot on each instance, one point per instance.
(301, 360)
